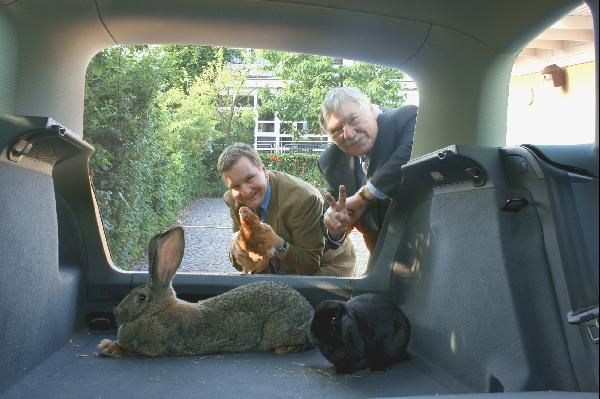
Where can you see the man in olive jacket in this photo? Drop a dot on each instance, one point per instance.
(292, 207)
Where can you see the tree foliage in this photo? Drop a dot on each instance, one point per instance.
(308, 78)
(184, 63)
(300, 165)
(156, 136)
(209, 107)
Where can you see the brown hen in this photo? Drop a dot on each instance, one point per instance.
(257, 240)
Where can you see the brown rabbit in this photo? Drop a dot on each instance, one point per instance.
(261, 316)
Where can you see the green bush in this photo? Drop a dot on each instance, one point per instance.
(303, 166)
(148, 165)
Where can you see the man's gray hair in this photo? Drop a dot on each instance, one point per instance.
(233, 153)
(336, 97)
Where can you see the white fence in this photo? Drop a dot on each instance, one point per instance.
(304, 146)
(268, 137)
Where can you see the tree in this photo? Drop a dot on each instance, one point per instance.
(121, 120)
(149, 162)
(308, 78)
(210, 113)
(184, 63)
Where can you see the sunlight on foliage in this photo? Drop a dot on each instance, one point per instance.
(308, 78)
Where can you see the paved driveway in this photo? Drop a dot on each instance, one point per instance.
(208, 231)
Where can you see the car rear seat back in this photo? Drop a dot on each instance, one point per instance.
(476, 270)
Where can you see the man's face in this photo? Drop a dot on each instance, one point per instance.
(247, 182)
(352, 128)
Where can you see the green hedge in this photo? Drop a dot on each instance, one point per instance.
(300, 165)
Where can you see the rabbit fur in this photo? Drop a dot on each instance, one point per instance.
(261, 316)
(368, 331)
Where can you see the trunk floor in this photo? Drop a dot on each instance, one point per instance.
(75, 371)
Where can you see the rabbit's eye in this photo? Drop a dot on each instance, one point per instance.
(141, 297)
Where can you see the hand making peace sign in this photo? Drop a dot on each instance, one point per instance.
(337, 218)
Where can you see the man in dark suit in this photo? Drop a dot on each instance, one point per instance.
(364, 164)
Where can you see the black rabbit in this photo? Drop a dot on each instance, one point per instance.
(366, 331)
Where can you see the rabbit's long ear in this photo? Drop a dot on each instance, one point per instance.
(164, 254)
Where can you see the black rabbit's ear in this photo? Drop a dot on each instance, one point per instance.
(165, 253)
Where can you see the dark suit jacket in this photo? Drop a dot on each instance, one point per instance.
(391, 150)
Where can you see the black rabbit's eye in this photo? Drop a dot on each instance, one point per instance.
(141, 297)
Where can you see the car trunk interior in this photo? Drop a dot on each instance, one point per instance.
(75, 371)
(469, 254)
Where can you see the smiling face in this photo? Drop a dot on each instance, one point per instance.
(247, 182)
(353, 127)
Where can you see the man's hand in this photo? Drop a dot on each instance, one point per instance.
(343, 213)
(337, 217)
(272, 240)
(356, 206)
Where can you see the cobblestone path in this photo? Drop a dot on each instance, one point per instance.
(207, 228)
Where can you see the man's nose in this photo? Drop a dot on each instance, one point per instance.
(349, 132)
(245, 190)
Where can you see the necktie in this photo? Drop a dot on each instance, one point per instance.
(262, 214)
(367, 216)
(364, 163)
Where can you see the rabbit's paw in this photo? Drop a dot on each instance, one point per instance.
(111, 348)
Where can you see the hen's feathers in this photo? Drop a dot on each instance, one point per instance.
(257, 240)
